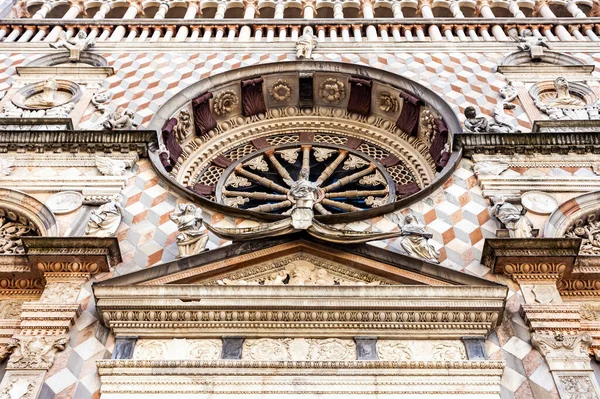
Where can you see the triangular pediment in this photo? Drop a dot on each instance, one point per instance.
(296, 261)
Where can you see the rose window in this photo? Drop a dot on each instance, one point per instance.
(342, 179)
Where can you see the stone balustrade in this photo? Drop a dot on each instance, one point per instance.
(269, 30)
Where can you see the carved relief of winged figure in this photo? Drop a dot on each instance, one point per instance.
(75, 45)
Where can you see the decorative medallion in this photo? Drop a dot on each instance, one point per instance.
(539, 202)
(224, 102)
(281, 91)
(562, 100)
(65, 202)
(332, 91)
(387, 102)
(47, 94)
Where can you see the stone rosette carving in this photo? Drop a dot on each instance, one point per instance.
(299, 349)
(184, 126)
(224, 102)
(191, 240)
(332, 91)
(35, 352)
(387, 102)
(281, 91)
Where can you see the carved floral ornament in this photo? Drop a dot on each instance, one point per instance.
(281, 91)
(586, 227)
(225, 102)
(332, 91)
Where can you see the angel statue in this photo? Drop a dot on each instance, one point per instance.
(415, 240)
(75, 45)
(121, 119)
(190, 239)
(306, 44)
(105, 221)
(480, 124)
(305, 196)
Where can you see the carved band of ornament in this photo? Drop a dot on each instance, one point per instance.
(590, 312)
(69, 267)
(293, 120)
(579, 287)
(317, 316)
(534, 270)
(21, 284)
(35, 351)
(309, 364)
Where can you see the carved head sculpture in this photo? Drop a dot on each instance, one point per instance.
(470, 112)
(508, 92)
(527, 33)
(562, 87)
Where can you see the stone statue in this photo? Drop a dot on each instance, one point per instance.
(306, 44)
(121, 119)
(190, 239)
(518, 225)
(305, 193)
(45, 99)
(415, 240)
(534, 44)
(480, 124)
(105, 221)
(565, 106)
(75, 45)
(563, 96)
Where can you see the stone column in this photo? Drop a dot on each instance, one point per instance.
(333, 33)
(589, 31)
(195, 34)
(131, 13)
(426, 12)
(207, 33)
(309, 10)
(544, 10)
(357, 32)
(279, 10)
(221, 8)
(29, 30)
(100, 14)
(106, 31)
(345, 33)
(190, 13)
(484, 32)
(71, 13)
(42, 30)
(396, 33)
(397, 10)
(447, 29)
(133, 32)
(16, 32)
(320, 33)
(367, 9)
(486, 12)
(43, 11)
(575, 10)
(231, 32)
(258, 32)
(574, 30)
(220, 31)
(249, 13)
(513, 7)
(170, 31)
(338, 10)
(383, 32)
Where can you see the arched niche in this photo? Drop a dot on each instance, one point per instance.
(308, 104)
(523, 58)
(22, 215)
(62, 59)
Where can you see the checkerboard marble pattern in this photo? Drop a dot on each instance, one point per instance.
(457, 214)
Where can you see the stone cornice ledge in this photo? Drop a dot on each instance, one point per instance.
(529, 143)
(79, 141)
(107, 367)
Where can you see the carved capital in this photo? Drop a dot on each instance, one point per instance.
(564, 351)
(35, 352)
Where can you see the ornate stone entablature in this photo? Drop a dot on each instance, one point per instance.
(325, 118)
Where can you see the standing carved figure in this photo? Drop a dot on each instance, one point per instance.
(534, 44)
(306, 44)
(415, 240)
(75, 45)
(518, 225)
(105, 221)
(190, 239)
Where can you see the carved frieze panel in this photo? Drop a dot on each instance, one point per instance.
(299, 349)
(178, 349)
(21, 384)
(298, 269)
(403, 350)
(35, 351)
